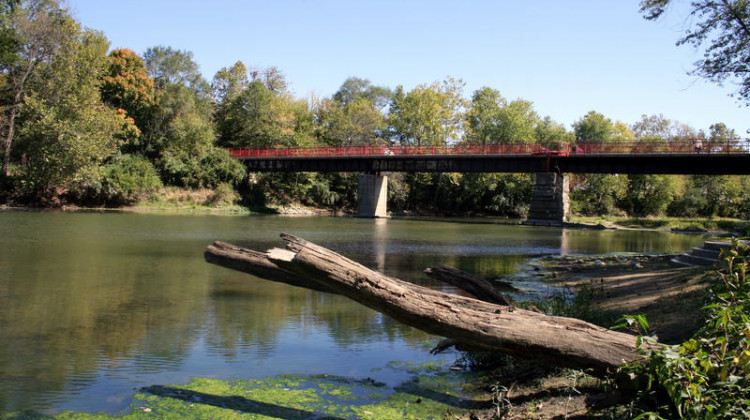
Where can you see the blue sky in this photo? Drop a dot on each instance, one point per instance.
(567, 57)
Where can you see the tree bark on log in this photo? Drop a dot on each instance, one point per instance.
(551, 340)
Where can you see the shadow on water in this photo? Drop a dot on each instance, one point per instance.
(233, 403)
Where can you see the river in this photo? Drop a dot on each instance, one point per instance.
(96, 305)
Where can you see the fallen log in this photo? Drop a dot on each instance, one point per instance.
(551, 340)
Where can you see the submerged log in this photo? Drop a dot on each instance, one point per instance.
(551, 340)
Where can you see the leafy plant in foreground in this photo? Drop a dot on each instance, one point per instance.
(708, 376)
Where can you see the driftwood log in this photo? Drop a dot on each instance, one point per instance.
(551, 340)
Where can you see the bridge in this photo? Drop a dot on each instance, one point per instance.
(550, 202)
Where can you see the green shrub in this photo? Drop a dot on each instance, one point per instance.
(708, 376)
(183, 169)
(128, 179)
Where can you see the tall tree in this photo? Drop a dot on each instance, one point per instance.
(428, 114)
(354, 123)
(229, 82)
(258, 117)
(491, 119)
(355, 88)
(33, 32)
(722, 27)
(594, 128)
(168, 66)
(127, 86)
(68, 132)
(552, 134)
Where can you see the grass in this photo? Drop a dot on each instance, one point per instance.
(712, 224)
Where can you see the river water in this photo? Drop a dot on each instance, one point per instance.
(96, 305)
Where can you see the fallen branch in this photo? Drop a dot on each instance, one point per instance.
(557, 341)
(474, 285)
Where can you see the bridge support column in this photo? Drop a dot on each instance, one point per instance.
(373, 196)
(550, 204)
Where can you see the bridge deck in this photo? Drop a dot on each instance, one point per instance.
(623, 158)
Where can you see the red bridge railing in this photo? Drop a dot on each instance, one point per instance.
(590, 148)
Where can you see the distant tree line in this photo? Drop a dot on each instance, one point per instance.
(85, 125)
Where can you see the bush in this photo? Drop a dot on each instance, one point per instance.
(217, 167)
(128, 179)
(708, 376)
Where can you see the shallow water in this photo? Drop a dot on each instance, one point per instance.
(96, 305)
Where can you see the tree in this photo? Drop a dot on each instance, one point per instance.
(482, 115)
(168, 66)
(491, 119)
(355, 123)
(552, 134)
(33, 33)
(182, 143)
(594, 128)
(598, 193)
(67, 131)
(354, 89)
(229, 82)
(127, 85)
(428, 114)
(722, 27)
(258, 117)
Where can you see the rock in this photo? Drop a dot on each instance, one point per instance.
(636, 264)
(600, 263)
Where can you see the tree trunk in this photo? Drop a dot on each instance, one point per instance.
(557, 341)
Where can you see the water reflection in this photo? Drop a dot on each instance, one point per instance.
(95, 305)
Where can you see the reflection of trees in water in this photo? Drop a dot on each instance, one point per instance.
(78, 309)
(250, 312)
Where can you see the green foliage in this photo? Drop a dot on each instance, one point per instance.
(67, 131)
(168, 66)
(428, 115)
(713, 195)
(229, 82)
(208, 170)
(260, 118)
(650, 194)
(597, 194)
(722, 29)
(33, 34)
(594, 127)
(127, 180)
(491, 119)
(354, 89)
(552, 134)
(708, 376)
(357, 122)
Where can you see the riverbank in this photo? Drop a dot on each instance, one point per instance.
(600, 289)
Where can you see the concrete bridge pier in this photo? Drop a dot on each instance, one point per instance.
(550, 204)
(372, 195)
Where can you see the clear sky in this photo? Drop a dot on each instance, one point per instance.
(566, 56)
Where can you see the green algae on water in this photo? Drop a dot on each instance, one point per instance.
(433, 391)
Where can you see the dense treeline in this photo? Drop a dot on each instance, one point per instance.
(85, 125)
